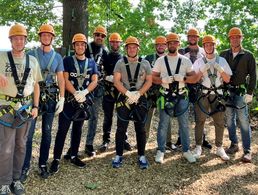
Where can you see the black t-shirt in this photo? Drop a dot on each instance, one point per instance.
(111, 61)
(85, 75)
(152, 59)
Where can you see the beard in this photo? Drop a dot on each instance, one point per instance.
(172, 51)
(192, 44)
(160, 52)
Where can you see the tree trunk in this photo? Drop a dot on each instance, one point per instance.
(75, 20)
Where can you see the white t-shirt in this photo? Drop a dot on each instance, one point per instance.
(5, 69)
(206, 81)
(160, 67)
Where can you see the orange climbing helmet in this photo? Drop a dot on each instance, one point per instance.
(160, 40)
(172, 37)
(18, 29)
(100, 29)
(193, 32)
(132, 40)
(115, 37)
(235, 31)
(79, 37)
(208, 39)
(46, 28)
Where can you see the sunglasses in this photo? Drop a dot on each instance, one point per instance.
(100, 35)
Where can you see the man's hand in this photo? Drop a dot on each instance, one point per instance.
(34, 112)
(248, 98)
(3, 81)
(167, 79)
(60, 106)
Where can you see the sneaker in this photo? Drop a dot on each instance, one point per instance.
(67, 156)
(43, 172)
(54, 168)
(189, 156)
(222, 154)
(77, 162)
(232, 149)
(170, 146)
(24, 175)
(159, 157)
(103, 147)
(127, 146)
(17, 188)
(5, 190)
(90, 151)
(178, 142)
(143, 162)
(117, 162)
(247, 157)
(197, 152)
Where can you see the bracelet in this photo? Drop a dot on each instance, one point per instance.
(35, 107)
(184, 78)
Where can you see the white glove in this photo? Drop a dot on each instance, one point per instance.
(218, 67)
(79, 96)
(204, 68)
(81, 100)
(179, 77)
(248, 98)
(129, 94)
(167, 79)
(60, 105)
(137, 95)
(129, 101)
(109, 78)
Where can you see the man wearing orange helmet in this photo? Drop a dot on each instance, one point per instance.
(19, 77)
(51, 64)
(97, 51)
(193, 51)
(212, 71)
(172, 71)
(153, 92)
(111, 92)
(81, 77)
(242, 85)
(132, 78)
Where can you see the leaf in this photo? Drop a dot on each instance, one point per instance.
(91, 186)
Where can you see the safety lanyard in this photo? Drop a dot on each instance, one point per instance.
(46, 71)
(173, 86)
(81, 76)
(154, 60)
(133, 81)
(212, 76)
(99, 55)
(19, 84)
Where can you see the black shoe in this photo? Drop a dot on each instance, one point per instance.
(206, 144)
(127, 146)
(43, 171)
(170, 146)
(17, 188)
(178, 142)
(54, 168)
(77, 162)
(90, 151)
(103, 147)
(67, 156)
(24, 175)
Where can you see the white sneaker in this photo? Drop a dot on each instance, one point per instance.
(197, 151)
(189, 156)
(222, 154)
(159, 157)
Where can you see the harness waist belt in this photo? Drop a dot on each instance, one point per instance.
(15, 99)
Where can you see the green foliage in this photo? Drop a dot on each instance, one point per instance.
(31, 13)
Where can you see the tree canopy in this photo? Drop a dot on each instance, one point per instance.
(143, 19)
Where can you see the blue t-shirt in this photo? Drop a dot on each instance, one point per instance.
(44, 59)
(84, 79)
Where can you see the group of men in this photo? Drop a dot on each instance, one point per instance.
(76, 87)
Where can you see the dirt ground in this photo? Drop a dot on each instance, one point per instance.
(209, 175)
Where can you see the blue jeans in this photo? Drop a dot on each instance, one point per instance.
(93, 120)
(232, 114)
(183, 127)
(47, 121)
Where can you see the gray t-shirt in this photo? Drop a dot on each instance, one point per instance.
(145, 69)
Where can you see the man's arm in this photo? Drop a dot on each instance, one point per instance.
(61, 83)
